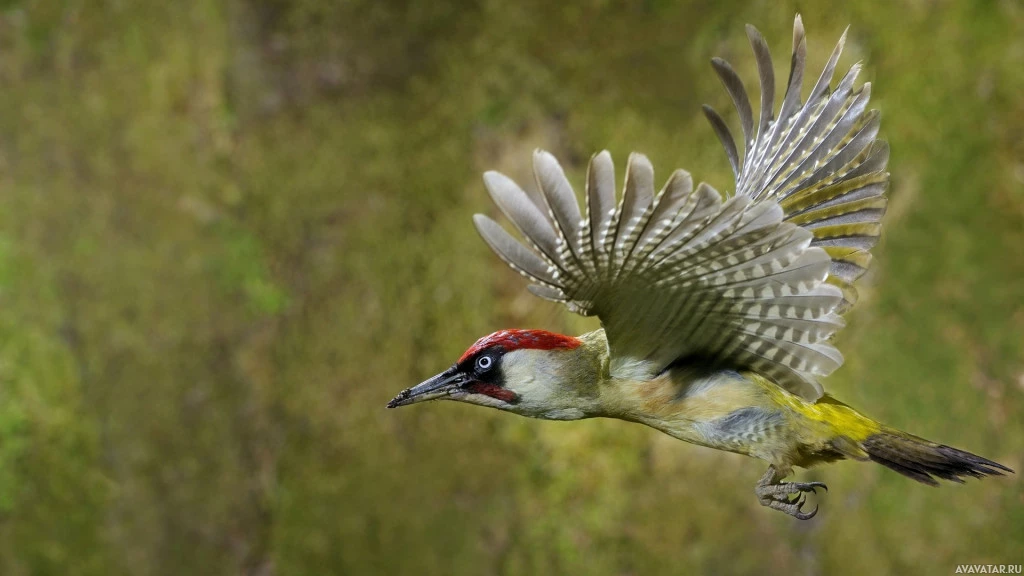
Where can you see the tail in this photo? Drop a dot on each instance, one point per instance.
(924, 461)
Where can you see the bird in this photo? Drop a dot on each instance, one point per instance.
(717, 311)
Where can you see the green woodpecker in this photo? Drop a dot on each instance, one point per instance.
(716, 312)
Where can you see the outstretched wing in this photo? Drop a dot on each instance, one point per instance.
(818, 160)
(680, 274)
(755, 280)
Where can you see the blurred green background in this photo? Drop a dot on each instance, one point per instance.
(231, 231)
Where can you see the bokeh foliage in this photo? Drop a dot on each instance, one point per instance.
(230, 231)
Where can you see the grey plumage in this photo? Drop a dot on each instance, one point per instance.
(740, 280)
(743, 427)
(819, 160)
(726, 281)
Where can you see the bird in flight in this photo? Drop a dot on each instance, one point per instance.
(717, 311)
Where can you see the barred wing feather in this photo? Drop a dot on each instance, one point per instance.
(819, 160)
(677, 274)
(754, 280)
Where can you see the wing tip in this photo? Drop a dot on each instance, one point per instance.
(495, 178)
(638, 160)
(542, 154)
(753, 33)
(481, 220)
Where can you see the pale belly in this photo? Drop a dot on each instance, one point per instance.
(719, 409)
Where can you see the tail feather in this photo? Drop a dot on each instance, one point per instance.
(924, 461)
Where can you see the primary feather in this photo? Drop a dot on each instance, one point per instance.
(819, 160)
(754, 280)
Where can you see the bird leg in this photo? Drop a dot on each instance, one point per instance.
(775, 494)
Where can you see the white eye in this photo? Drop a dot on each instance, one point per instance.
(484, 363)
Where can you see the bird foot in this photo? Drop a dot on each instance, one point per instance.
(788, 497)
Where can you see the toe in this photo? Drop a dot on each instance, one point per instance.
(811, 486)
(806, 515)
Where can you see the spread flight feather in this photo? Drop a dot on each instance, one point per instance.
(753, 280)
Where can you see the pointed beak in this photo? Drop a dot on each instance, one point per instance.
(440, 386)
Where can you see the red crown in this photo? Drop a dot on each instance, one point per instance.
(523, 339)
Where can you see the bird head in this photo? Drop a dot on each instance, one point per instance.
(528, 372)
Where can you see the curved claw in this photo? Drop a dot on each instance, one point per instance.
(806, 515)
(788, 497)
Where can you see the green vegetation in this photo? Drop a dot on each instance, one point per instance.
(231, 231)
